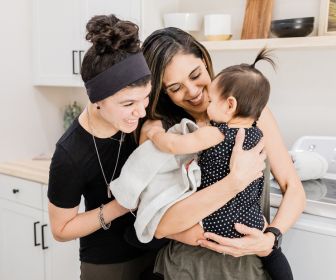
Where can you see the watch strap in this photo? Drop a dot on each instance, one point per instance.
(277, 234)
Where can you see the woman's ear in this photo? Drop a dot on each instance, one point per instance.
(206, 66)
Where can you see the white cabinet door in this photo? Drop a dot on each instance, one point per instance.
(59, 29)
(311, 255)
(61, 258)
(56, 42)
(21, 256)
(27, 247)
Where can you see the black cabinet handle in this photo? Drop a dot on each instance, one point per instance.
(15, 191)
(80, 60)
(73, 62)
(35, 242)
(42, 231)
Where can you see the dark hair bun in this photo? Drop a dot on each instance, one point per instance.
(109, 33)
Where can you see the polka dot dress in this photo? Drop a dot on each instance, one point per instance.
(244, 207)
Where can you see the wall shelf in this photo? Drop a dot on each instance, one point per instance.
(274, 43)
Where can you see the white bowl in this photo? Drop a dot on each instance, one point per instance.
(184, 21)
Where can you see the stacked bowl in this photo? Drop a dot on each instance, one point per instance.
(293, 27)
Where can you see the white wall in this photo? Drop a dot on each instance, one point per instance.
(30, 117)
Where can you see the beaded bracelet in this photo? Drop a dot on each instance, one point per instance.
(101, 219)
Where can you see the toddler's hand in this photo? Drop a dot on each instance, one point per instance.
(149, 124)
(154, 130)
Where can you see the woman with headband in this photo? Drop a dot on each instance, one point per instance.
(92, 151)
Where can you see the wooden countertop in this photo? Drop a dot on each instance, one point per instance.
(32, 170)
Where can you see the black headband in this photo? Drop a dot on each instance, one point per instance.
(117, 77)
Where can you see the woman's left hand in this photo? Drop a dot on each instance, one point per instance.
(255, 242)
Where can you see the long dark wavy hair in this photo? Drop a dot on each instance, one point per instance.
(159, 48)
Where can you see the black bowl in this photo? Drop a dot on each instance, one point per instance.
(295, 20)
(291, 29)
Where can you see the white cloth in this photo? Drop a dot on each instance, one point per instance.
(309, 165)
(152, 181)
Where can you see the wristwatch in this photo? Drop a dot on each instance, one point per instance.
(278, 236)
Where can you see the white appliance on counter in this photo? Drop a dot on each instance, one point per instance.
(310, 245)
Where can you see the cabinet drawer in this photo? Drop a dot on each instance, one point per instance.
(21, 191)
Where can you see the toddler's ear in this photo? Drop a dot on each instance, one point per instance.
(232, 104)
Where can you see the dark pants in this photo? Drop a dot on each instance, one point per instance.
(138, 269)
(277, 266)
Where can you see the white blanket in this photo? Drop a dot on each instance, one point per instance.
(152, 181)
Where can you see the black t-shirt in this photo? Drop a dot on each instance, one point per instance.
(74, 172)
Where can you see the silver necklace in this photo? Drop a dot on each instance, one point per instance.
(122, 137)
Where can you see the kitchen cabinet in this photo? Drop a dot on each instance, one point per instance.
(56, 43)
(59, 31)
(28, 250)
(21, 256)
(59, 36)
(310, 246)
(61, 258)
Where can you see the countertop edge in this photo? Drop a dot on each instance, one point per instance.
(32, 170)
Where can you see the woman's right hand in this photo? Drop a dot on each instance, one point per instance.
(246, 165)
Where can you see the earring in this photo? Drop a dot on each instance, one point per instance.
(98, 107)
